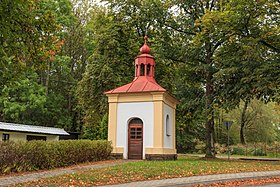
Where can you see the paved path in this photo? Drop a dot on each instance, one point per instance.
(206, 179)
(54, 172)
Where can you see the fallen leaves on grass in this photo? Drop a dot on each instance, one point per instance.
(74, 167)
(155, 170)
(252, 182)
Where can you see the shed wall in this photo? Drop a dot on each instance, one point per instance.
(15, 136)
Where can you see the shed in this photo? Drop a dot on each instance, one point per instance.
(12, 131)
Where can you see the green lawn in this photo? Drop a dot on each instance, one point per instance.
(148, 170)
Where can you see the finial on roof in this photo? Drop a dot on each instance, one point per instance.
(145, 49)
(145, 39)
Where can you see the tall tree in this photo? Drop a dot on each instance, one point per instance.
(110, 65)
(224, 42)
(24, 44)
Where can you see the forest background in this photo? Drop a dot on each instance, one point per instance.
(220, 58)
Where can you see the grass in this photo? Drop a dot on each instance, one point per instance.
(247, 156)
(149, 170)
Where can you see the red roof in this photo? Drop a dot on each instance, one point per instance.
(144, 80)
(139, 84)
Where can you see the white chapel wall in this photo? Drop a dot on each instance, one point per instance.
(168, 139)
(127, 111)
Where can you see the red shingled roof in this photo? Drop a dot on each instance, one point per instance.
(139, 84)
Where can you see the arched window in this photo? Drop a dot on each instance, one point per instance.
(148, 69)
(168, 126)
(142, 70)
(136, 121)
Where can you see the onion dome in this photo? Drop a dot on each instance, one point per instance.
(145, 49)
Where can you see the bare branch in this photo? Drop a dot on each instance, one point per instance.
(179, 30)
(269, 46)
(212, 5)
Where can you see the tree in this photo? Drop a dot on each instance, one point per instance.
(147, 17)
(36, 54)
(259, 121)
(110, 65)
(223, 42)
(24, 43)
(191, 27)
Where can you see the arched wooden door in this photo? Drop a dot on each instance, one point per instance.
(135, 139)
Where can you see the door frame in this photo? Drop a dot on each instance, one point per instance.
(128, 136)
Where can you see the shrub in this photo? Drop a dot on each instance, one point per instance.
(200, 147)
(238, 150)
(221, 148)
(259, 152)
(34, 155)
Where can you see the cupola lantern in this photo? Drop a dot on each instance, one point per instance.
(145, 63)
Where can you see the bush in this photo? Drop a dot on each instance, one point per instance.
(259, 152)
(221, 148)
(200, 147)
(34, 155)
(238, 150)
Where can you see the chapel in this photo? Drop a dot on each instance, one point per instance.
(142, 115)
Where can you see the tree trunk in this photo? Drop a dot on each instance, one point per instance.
(243, 120)
(210, 132)
(210, 141)
(48, 78)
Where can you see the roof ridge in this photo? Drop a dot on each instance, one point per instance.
(36, 126)
(131, 83)
(155, 83)
(145, 85)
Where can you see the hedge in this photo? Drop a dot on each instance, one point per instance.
(33, 155)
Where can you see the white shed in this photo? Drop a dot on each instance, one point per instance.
(11, 131)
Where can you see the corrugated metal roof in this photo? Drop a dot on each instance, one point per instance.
(32, 129)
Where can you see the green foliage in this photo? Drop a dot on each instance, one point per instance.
(259, 152)
(247, 73)
(109, 66)
(34, 155)
(39, 71)
(57, 57)
(221, 148)
(22, 98)
(260, 122)
(200, 147)
(239, 151)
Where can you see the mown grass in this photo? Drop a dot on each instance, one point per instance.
(148, 170)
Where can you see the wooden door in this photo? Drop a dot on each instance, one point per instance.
(135, 141)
